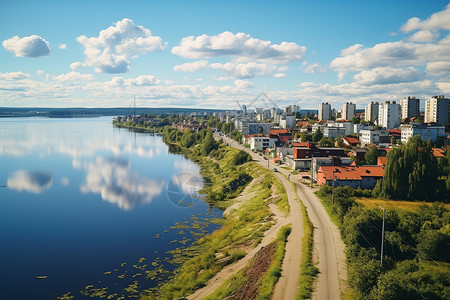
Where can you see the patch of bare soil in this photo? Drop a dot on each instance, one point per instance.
(258, 268)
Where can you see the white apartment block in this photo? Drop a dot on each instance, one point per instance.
(324, 111)
(348, 111)
(347, 126)
(378, 137)
(410, 107)
(437, 110)
(333, 132)
(261, 143)
(426, 131)
(371, 112)
(389, 115)
(287, 121)
(358, 127)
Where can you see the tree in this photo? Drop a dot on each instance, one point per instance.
(241, 157)
(411, 172)
(371, 156)
(209, 143)
(356, 120)
(326, 142)
(303, 138)
(317, 136)
(340, 141)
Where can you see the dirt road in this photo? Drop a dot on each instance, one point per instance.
(329, 249)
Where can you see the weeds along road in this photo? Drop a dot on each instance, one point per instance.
(329, 249)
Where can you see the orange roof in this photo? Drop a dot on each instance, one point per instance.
(351, 140)
(381, 161)
(299, 144)
(278, 131)
(351, 173)
(438, 152)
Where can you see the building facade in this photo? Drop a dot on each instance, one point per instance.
(348, 111)
(324, 111)
(389, 115)
(377, 137)
(437, 110)
(410, 107)
(426, 131)
(371, 112)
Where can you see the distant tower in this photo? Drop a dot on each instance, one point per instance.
(410, 107)
(348, 111)
(371, 112)
(324, 111)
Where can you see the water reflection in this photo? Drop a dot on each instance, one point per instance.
(114, 180)
(183, 189)
(35, 182)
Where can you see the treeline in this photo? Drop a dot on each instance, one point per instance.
(221, 182)
(416, 257)
(413, 173)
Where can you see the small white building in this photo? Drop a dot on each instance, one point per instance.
(426, 131)
(377, 137)
(287, 121)
(333, 132)
(261, 143)
(347, 126)
(358, 127)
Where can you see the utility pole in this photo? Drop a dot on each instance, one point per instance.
(332, 195)
(382, 234)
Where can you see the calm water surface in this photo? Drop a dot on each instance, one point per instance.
(80, 197)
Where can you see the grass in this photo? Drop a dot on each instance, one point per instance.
(267, 282)
(412, 206)
(308, 271)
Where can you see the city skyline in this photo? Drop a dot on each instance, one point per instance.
(207, 55)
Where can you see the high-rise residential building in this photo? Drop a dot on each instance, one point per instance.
(426, 131)
(410, 107)
(324, 111)
(371, 112)
(348, 111)
(437, 110)
(389, 115)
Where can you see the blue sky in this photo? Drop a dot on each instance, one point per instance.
(210, 53)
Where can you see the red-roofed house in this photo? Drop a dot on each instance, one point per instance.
(438, 152)
(299, 144)
(283, 135)
(349, 141)
(381, 161)
(364, 177)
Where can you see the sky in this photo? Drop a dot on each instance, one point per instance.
(210, 54)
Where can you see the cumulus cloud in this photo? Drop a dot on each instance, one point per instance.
(29, 46)
(280, 75)
(239, 46)
(114, 180)
(62, 46)
(191, 67)
(437, 21)
(14, 76)
(243, 84)
(424, 36)
(388, 75)
(77, 65)
(34, 182)
(73, 76)
(438, 68)
(245, 70)
(112, 51)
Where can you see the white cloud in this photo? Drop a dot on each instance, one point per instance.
(62, 46)
(191, 67)
(14, 76)
(438, 68)
(35, 182)
(73, 76)
(243, 84)
(29, 46)
(437, 21)
(245, 70)
(444, 86)
(424, 36)
(316, 67)
(387, 75)
(114, 180)
(115, 46)
(77, 65)
(280, 75)
(143, 80)
(64, 181)
(239, 46)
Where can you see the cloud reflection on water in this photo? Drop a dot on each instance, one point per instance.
(114, 180)
(35, 182)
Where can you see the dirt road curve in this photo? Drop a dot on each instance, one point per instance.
(329, 248)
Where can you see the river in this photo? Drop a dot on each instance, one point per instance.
(81, 202)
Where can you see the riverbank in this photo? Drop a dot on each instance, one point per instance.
(248, 227)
